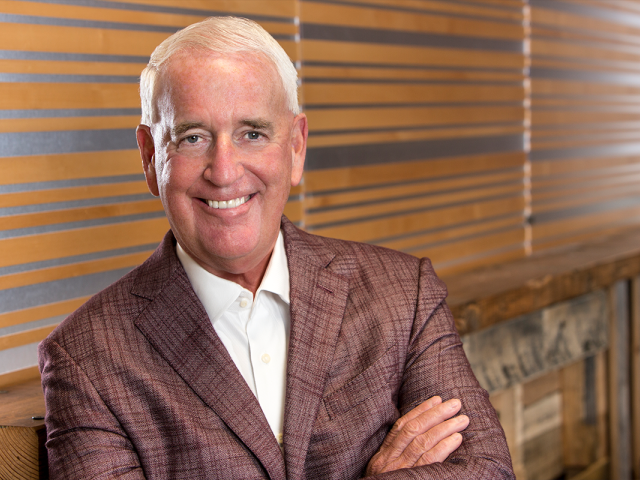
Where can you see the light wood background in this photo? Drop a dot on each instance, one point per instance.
(472, 132)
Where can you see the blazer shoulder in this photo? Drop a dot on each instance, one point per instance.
(116, 306)
(365, 264)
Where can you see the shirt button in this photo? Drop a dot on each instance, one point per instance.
(244, 302)
(266, 358)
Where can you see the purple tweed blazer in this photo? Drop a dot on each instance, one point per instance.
(138, 385)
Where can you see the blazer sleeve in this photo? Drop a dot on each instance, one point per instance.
(80, 425)
(436, 365)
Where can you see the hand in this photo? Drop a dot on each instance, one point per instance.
(427, 434)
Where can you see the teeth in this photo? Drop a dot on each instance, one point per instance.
(223, 204)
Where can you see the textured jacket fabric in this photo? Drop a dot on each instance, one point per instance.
(138, 385)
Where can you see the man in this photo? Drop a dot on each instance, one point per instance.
(244, 347)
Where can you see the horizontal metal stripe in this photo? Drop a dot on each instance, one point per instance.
(428, 231)
(463, 238)
(132, 6)
(401, 129)
(18, 358)
(420, 10)
(402, 81)
(70, 57)
(319, 158)
(42, 293)
(30, 325)
(597, 207)
(61, 78)
(582, 61)
(426, 193)
(69, 112)
(617, 149)
(312, 31)
(27, 143)
(339, 106)
(56, 262)
(22, 232)
(426, 182)
(485, 258)
(400, 213)
(612, 15)
(586, 76)
(50, 207)
(81, 182)
(610, 108)
(386, 66)
(72, 22)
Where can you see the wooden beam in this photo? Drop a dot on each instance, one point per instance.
(495, 294)
(619, 383)
(635, 375)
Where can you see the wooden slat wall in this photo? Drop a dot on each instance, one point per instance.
(75, 213)
(416, 113)
(585, 97)
(437, 127)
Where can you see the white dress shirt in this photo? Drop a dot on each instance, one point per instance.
(255, 332)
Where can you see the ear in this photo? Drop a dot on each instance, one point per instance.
(147, 154)
(299, 135)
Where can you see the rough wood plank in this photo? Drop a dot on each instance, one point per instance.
(543, 456)
(597, 471)
(602, 405)
(543, 416)
(498, 293)
(579, 424)
(635, 374)
(540, 387)
(533, 344)
(619, 383)
(508, 405)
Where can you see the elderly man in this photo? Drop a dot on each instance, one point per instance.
(244, 347)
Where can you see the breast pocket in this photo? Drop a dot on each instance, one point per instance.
(374, 385)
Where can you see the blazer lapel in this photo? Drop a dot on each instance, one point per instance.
(177, 326)
(318, 301)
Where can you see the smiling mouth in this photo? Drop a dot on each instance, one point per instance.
(224, 204)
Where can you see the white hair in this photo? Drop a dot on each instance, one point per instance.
(224, 36)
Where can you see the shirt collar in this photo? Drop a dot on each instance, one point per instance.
(218, 294)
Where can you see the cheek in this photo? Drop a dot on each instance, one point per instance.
(177, 175)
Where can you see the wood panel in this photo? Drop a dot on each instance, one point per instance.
(540, 342)
(585, 59)
(74, 207)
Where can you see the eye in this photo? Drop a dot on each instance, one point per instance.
(253, 135)
(192, 138)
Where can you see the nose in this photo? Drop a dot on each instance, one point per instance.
(223, 167)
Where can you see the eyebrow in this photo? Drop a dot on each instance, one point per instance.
(257, 124)
(184, 127)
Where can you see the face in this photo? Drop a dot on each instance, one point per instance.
(222, 154)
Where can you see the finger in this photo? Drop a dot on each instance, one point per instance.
(402, 421)
(423, 444)
(420, 409)
(425, 422)
(441, 451)
(388, 450)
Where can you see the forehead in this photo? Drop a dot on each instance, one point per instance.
(193, 75)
